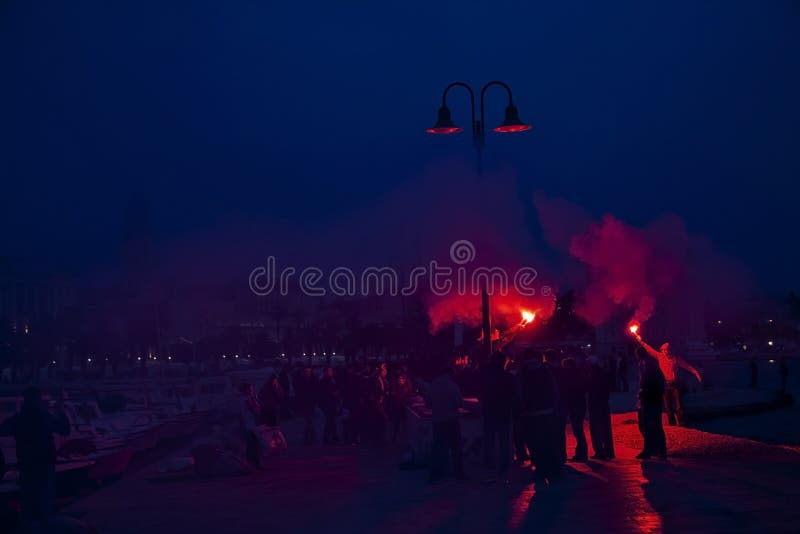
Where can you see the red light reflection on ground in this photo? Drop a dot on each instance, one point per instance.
(520, 505)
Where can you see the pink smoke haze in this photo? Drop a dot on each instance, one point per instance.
(638, 270)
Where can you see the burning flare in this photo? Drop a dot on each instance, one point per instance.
(527, 317)
(509, 335)
(634, 329)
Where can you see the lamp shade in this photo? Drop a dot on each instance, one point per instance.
(512, 123)
(444, 123)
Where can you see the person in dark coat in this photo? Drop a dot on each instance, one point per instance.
(330, 402)
(553, 361)
(599, 411)
(517, 427)
(623, 372)
(33, 428)
(285, 380)
(536, 389)
(612, 372)
(651, 403)
(575, 386)
(271, 398)
(444, 399)
(305, 399)
(399, 395)
(497, 403)
(249, 417)
(377, 400)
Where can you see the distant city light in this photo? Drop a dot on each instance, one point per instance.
(719, 322)
(224, 356)
(248, 355)
(139, 358)
(169, 357)
(236, 356)
(744, 347)
(772, 361)
(769, 321)
(89, 360)
(769, 342)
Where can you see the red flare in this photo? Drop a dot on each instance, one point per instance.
(527, 317)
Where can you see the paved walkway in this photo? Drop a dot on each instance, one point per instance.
(314, 489)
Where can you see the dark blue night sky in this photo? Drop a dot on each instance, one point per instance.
(310, 110)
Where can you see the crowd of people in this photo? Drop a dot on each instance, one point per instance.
(361, 404)
(532, 402)
(527, 405)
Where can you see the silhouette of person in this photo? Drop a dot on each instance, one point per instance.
(330, 401)
(271, 397)
(651, 402)
(599, 411)
(612, 372)
(444, 399)
(249, 413)
(497, 402)
(399, 395)
(623, 372)
(575, 385)
(551, 359)
(306, 397)
(33, 428)
(537, 391)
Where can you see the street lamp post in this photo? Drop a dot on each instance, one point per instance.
(511, 124)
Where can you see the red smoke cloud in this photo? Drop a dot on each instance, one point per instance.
(639, 269)
(624, 270)
(506, 310)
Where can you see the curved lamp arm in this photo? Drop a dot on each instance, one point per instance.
(483, 92)
(471, 99)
